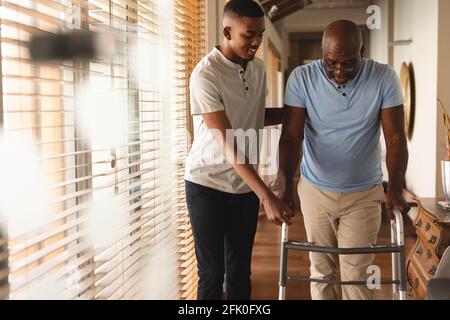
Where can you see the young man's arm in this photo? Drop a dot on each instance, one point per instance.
(290, 148)
(392, 121)
(273, 116)
(275, 208)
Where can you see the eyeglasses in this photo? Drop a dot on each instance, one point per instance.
(345, 67)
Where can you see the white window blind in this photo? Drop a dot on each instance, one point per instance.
(190, 30)
(111, 138)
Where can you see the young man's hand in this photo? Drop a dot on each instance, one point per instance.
(286, 192)
(277, 211)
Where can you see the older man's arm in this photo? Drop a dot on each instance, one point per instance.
(291, 141)
(392, 121)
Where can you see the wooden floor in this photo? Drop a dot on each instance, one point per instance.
(265, 263)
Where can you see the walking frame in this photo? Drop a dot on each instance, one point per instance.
(396, 248)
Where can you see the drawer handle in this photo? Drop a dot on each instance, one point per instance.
(432, 240)
(427, 227)
(432, 271)
(419, 223)
(419, 251)
(416, 283)
(429, 255)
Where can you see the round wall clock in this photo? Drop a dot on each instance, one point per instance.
(408, 88)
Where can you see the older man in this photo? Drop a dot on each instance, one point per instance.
(335, 107)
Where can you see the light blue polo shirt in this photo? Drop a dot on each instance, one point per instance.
(342, 149)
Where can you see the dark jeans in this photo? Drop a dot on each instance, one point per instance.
(224, 227)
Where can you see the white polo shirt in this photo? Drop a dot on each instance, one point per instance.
(218, 84)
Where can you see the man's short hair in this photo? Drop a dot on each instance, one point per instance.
(243, 8)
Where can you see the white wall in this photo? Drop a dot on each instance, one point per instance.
(214, 15)
(417, 20)
(443, 85)
(379, 51)
(379, 39)
(317, 20)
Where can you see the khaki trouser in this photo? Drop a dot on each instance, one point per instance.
(344, 220)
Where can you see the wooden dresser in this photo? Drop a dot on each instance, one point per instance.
(432, 226)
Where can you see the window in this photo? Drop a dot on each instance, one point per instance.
(111, 136)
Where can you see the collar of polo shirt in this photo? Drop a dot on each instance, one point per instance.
(231, 64)
(349, 84)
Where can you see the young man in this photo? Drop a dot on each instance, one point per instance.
(335, 107)
(228, 92)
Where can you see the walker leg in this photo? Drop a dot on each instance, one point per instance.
(402, 274)
(400, 257)
(394, 261)
(283, 262)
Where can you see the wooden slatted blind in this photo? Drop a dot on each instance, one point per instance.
(131, 190)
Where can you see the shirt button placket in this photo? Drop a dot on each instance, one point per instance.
(343, 96)
(241, 72)
(346, 99)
